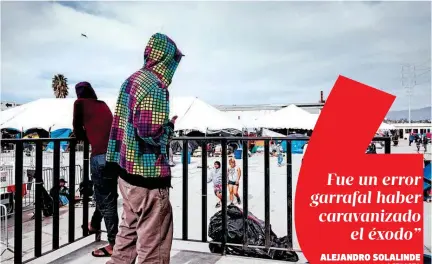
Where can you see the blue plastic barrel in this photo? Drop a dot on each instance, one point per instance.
(238, 153)
(189, 157)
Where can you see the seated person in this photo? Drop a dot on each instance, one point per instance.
(63, 192)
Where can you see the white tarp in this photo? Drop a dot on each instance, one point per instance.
(290, 117)
(52, 114)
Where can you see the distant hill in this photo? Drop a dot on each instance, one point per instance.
(416, 114)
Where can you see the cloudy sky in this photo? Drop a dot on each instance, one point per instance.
(236, 52)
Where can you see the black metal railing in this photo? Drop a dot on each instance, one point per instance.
(245, 176)
(18, 247)
(73, 172)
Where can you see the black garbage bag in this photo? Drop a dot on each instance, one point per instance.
(255, 233)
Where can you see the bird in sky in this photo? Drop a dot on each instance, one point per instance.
(84, 35)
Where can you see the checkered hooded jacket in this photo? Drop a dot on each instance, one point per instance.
(141, 126)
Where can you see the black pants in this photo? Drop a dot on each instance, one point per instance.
(105, 196)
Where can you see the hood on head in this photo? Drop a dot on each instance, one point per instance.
(162, 57)
(85, 90)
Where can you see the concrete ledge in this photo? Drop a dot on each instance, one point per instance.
(183, 252)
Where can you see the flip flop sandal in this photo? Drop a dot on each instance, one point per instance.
(104, 251)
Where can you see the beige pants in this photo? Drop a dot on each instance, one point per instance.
(146, 230)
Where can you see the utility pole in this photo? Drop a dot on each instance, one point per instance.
(408, 82)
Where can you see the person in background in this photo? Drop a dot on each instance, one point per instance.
(171, 153)
(279, 152)
(234, 175)
(62, 192)
(137, 152)
(411, 138)
(418, 141)
(92, 122)
(425, 141)
(215, 175)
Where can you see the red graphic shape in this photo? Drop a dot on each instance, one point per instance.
(346, 126)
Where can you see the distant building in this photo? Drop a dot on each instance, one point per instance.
(5, 105)
(404, 129)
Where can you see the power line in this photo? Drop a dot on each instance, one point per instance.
(408, 79)
(424, 72)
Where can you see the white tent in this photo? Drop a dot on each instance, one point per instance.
(48, 114)
(10, 113)
(248, 118)
(194, 114)
(269, 133)
(290, 117)
(52, 114)
(385, 126)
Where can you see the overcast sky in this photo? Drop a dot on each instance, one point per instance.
(236, 52)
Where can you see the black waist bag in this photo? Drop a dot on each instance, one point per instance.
(86, 189)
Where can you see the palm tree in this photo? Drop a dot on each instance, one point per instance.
(60, 86)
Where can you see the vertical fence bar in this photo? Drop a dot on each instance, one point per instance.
(245, 193)
(86, 183)
(185, 161)
(204, 192)
(72, 167)
(224, 195)
(18, 202)
(387, 145)
(267, 192)
(56, 202)
(289, 196)
(38, 198)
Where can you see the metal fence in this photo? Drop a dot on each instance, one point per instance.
(72, 170)
(4, 234)
(7, 158)
(29, 189)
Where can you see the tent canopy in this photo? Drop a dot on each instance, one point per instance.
(385, 126)
(194, 114)
(269, 133)
(290, 117)
(47, 114)
(52, 114)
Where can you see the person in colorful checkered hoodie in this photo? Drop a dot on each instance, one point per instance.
(137, 151)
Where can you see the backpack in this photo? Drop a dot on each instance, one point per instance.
(47, 203)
